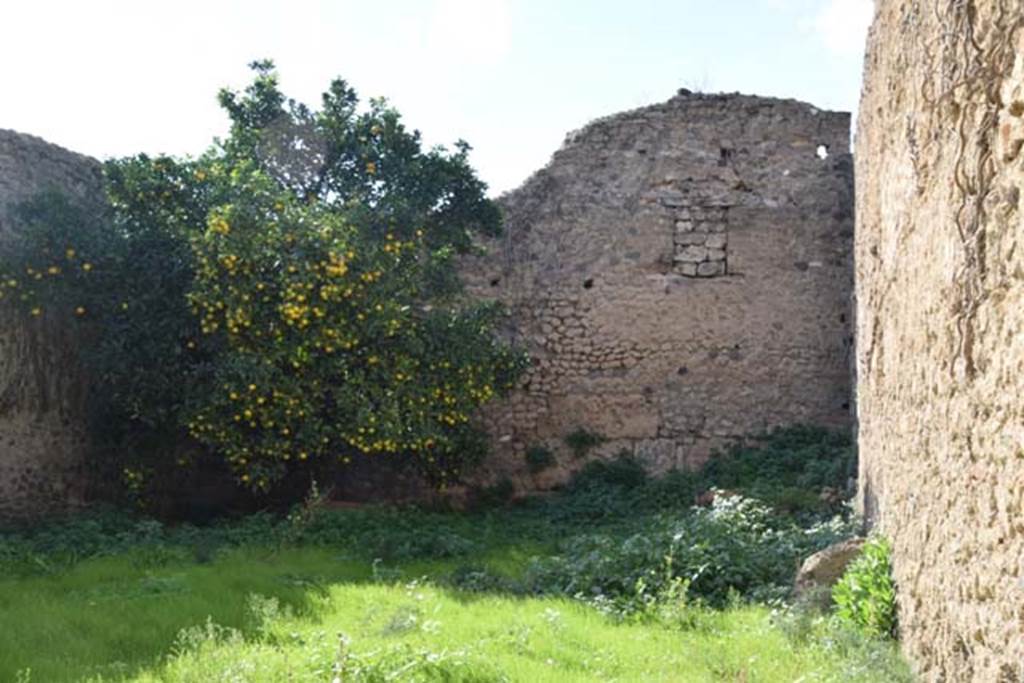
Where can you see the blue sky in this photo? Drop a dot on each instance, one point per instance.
(110, 77)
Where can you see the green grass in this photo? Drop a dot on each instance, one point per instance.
(110, 619)
(618, 579)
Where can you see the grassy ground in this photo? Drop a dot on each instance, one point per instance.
(572, 589)
(310, 615)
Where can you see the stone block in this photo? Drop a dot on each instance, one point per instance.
(673, 199)
(691, 238)
(711, 268)
(717, 240)
(823, 569)
(692, 254)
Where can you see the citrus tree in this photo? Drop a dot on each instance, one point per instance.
(289, 297)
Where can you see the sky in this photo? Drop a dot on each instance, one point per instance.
(112, 78)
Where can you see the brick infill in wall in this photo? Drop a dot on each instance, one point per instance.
(701, 240)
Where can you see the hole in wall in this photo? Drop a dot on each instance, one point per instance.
(846, 406)
(682, 371)
(588, 283)
(495, 281)
(842, 317)
(822, 152)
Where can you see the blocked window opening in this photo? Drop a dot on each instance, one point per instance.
(701, 241)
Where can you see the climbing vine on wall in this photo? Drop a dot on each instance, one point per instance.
(969, 61)
(289, 297)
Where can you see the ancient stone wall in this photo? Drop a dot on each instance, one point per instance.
(682, 276)
(41, 392)
(940, 307)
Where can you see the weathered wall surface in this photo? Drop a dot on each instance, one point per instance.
(41, 393)
(682, 276)
(940, 290)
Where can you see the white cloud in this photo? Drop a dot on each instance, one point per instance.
(842, 25)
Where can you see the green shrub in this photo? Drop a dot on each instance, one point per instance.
(62, 543)
(580, 441)
(623, 472)
(605, 491)
(788, 469)
(802, 470)
(539, 459)
(865, 597)
(495, 495)
(737, 546)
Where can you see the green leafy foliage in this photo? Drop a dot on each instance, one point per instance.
(622, 540)
(788, 469)
(497, 494)
(539, 459)
(801, 469)
(287, 298)
(865, 597)
(580, 441)
(736, 546)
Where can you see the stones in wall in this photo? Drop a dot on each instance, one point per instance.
(701, 241)
(42, 435)
(940, 309)
(681, 276)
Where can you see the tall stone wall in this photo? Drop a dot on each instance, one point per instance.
(41, 391)
(940, 291)
(682, 277)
